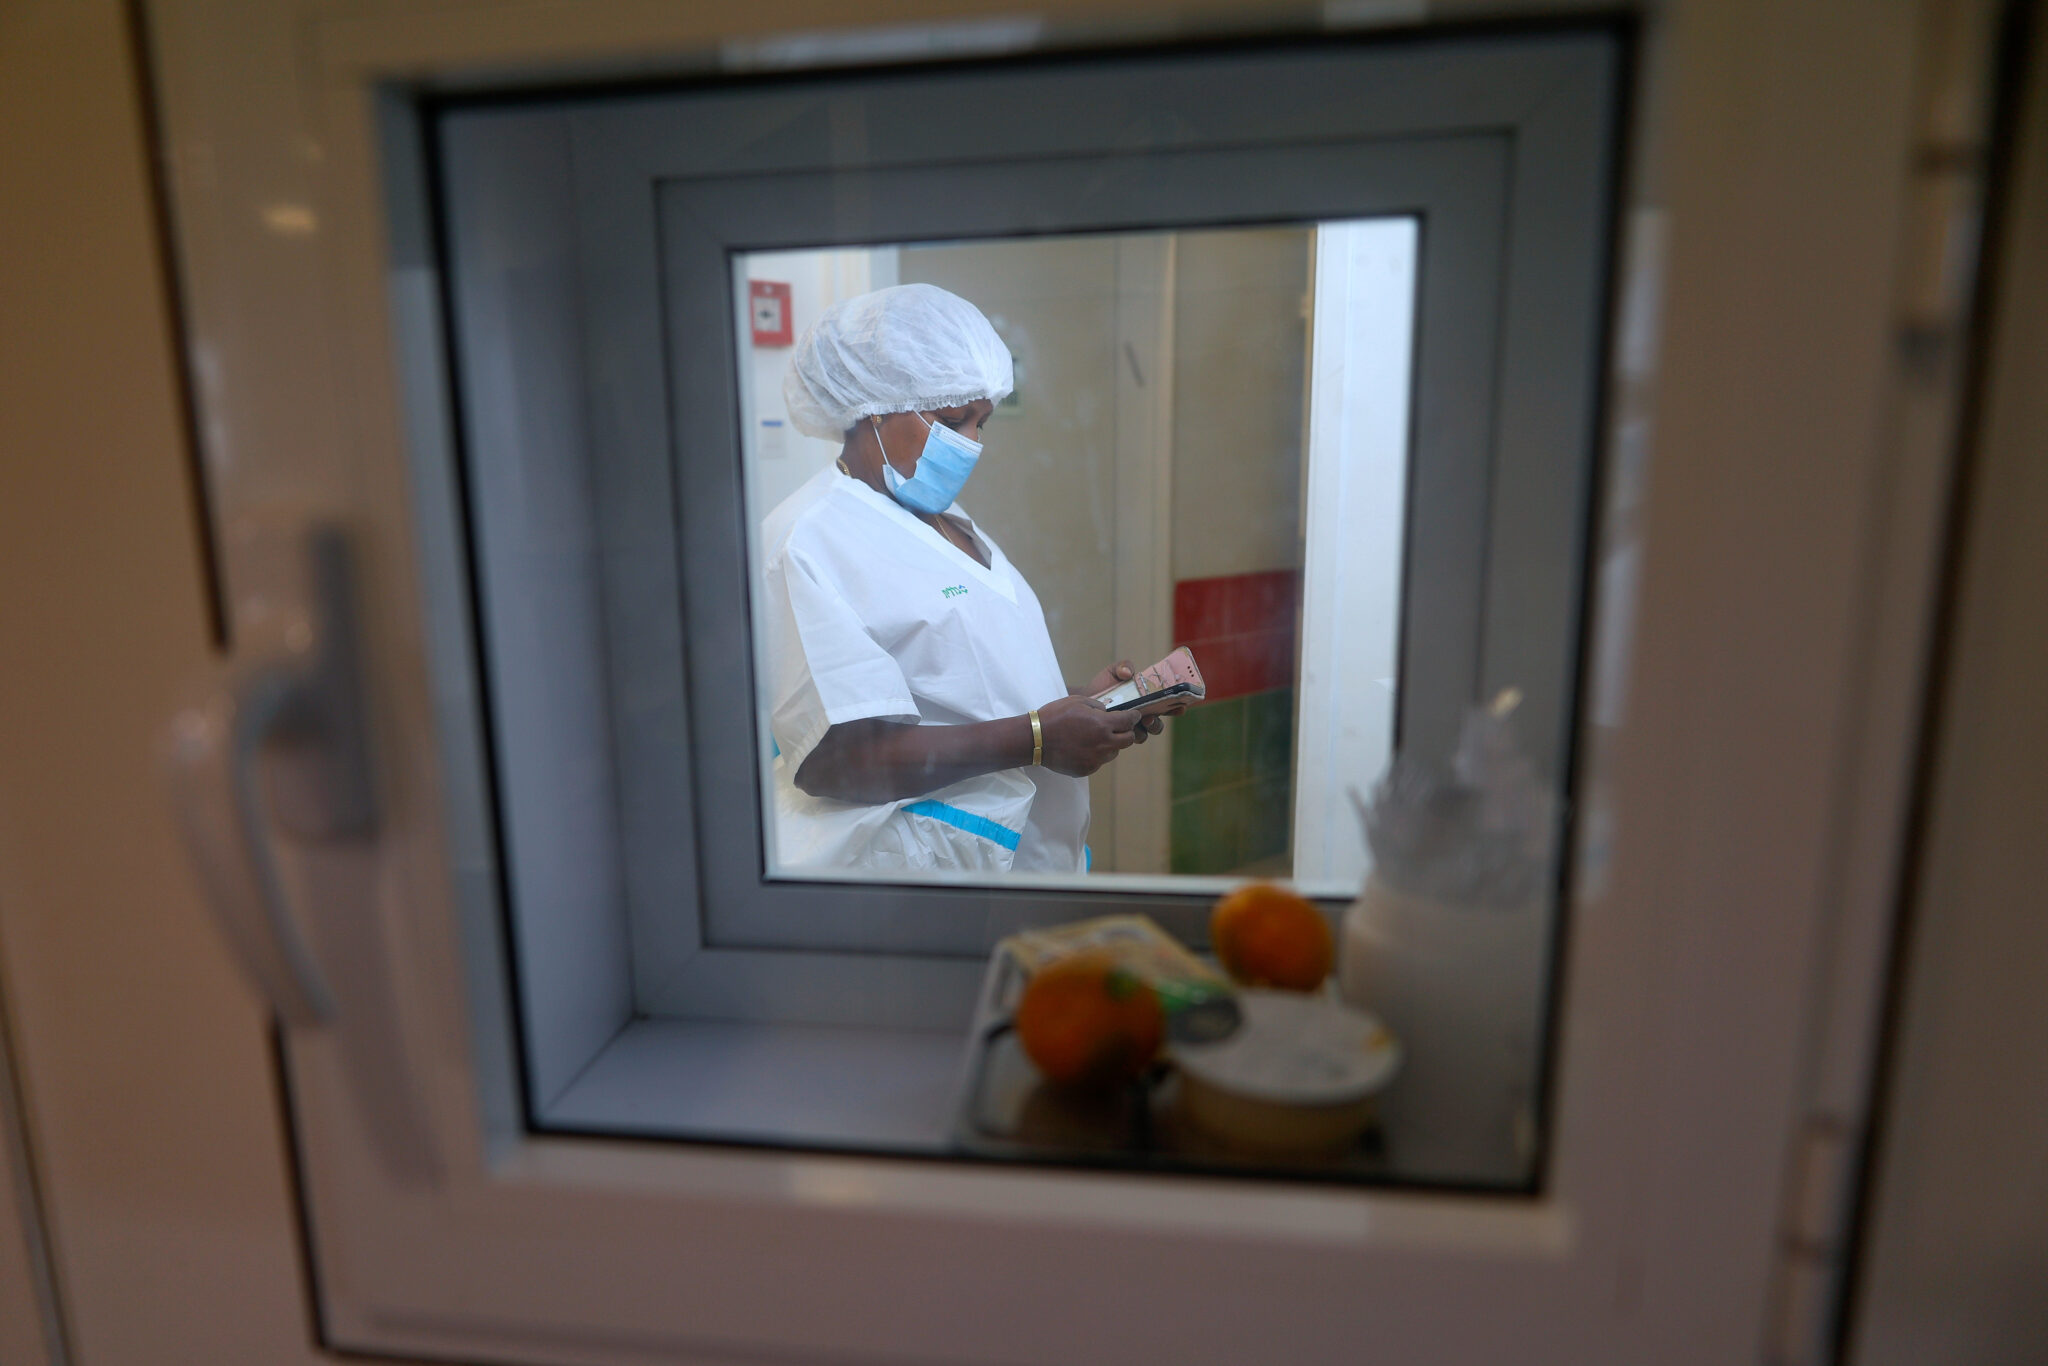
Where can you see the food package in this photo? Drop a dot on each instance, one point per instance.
(1200, 1002)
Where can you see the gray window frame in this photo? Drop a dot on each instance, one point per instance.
(628, 210)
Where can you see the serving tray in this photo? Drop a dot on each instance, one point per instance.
(1005, 1110)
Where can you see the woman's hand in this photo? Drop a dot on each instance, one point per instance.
(1081, 736)
(1123, 672)
(1119, 672)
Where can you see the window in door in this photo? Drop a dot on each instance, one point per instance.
(814, 491)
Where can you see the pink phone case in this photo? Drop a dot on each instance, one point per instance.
(1176, 675)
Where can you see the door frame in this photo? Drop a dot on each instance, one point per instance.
(1141, 781)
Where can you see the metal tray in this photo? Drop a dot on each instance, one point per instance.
(1006, 1111)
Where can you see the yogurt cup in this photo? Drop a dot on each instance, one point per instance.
(1299, 1075)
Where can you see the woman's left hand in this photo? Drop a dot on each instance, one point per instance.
(1123, 672)
(1119, 672)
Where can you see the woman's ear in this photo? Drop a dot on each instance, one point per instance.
(903, 436)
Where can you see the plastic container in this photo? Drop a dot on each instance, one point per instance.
(1462, 986)
(1299, 1076)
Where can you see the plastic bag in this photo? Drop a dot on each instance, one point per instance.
(1481, 833)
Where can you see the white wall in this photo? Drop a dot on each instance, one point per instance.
(778, 457)
(1355, 511)
(1045, 487)
(1240, 339)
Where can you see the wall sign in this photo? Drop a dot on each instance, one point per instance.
(768, 303)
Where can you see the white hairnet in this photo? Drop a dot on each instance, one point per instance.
(908, 348)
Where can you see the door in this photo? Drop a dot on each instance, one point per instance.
(422, 1153)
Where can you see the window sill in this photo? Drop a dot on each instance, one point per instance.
(788, 1085)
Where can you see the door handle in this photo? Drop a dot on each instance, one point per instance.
(278, 751)
(282, 735)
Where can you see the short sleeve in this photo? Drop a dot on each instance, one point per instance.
(824, 667)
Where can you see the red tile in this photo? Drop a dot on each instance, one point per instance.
(1241, 628)
(1238, 603)
(1226, 670)
(1268, 659)
(1290, 591)
(1199, 609)
(1264, 601)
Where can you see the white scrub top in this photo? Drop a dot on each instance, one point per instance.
(871, 613)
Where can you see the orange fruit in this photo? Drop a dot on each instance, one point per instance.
(1266, 936)
(1088, 1021)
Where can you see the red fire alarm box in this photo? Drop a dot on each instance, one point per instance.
(768, 300)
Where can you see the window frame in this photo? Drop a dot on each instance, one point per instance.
(1516, 174)
(1455, 184)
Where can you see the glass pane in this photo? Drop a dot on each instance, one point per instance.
(996, 478)
(778, 553)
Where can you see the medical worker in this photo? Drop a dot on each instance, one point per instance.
(920, 718)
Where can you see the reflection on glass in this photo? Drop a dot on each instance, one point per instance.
(991, 482)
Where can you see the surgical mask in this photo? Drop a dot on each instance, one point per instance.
(941, 471)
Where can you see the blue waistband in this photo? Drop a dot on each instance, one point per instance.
(966, 820)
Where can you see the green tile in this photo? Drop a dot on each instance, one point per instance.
(1269, 810)
(1208, 831)
(1269, 733)
(1208, 747)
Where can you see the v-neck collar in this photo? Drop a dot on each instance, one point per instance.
(991, 574)
(962, 523)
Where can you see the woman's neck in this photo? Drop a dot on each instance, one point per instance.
(861, 458)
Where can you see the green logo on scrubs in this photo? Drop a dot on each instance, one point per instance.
(957, 590)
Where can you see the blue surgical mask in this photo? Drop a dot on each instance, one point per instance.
(941, 471)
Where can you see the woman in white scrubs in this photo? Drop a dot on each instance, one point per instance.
(920, 718)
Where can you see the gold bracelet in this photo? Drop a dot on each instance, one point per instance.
(1037, 740)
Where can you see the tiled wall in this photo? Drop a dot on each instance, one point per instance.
(1233, 756)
